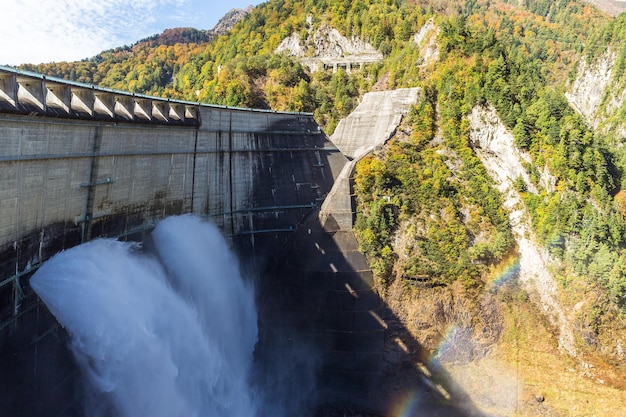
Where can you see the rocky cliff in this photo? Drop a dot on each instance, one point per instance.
(505, 346)
(494, 145)
(426, 40)
(230, 19)
(596, 94)
(612, 7)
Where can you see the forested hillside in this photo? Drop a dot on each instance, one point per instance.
(427, 209)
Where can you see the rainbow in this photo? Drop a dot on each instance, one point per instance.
(509, 271)
(410, 404)
(407, 406)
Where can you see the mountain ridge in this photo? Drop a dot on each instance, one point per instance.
(185, 35)
(172, 36)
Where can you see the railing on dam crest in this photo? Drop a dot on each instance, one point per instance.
(27, 92)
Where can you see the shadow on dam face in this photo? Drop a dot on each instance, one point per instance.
(328, 342)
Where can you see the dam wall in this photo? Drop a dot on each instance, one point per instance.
(67, 182)
(78, 163)
(67, 178)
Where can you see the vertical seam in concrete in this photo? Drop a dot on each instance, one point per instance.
(193, 171)
(230, 171)
(17, 245)
(91, 189)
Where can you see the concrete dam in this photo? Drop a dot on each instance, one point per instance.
(80, 162)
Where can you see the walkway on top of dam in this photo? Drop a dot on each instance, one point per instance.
(27, 92)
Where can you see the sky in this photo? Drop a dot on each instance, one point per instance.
(42, 31)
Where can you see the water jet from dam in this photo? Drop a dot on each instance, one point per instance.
(169, 333)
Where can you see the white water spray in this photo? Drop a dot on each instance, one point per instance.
(165, 337)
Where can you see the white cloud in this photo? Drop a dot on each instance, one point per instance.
(65, 30)
(39, 31)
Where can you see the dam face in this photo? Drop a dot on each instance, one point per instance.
(72, 175)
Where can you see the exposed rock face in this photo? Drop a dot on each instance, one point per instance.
(426, 39)
(293, 45)
(594, 96)
(327, 46)
(326, 42)
(495, 147)
(230, 19)
(490, 136)
(470, 326)
(588, 89)
(612, 7)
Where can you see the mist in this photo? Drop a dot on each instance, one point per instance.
(164, 332)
